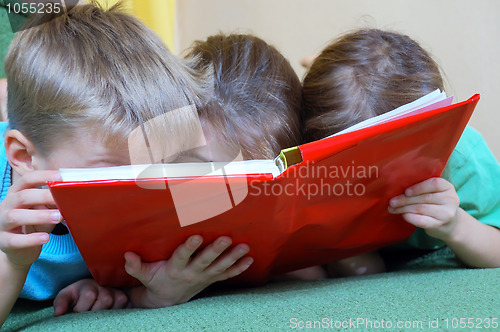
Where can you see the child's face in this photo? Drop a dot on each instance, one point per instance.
(82, 152)
(86, 152)
(214, 150)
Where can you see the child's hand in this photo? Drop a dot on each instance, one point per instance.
(87, 295)
(27, 214)
(178, 279)
(432, 205)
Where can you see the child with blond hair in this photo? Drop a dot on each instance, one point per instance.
(78, 85)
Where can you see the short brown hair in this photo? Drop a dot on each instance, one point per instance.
(100, 70)
(257, 95)
(363, 74)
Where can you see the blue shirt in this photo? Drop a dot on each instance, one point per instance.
(59, 264)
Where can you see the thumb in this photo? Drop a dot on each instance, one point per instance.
(134, 265)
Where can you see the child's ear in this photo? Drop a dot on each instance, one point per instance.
(20, 151)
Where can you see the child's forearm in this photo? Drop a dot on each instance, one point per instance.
(475, 244)
(11, 283)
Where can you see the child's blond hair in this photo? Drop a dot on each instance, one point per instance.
(97, 70)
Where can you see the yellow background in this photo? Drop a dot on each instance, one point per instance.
(159, 15)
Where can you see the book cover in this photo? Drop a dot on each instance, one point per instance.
(329, 203)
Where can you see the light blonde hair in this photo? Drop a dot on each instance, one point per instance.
(99, 70)
(363, 74)
(256, 102)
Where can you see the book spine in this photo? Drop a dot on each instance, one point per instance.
(288, 157)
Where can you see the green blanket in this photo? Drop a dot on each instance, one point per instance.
(430, 293)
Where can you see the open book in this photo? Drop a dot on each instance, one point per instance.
(314, 203)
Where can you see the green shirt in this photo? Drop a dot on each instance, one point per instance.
(475, 173)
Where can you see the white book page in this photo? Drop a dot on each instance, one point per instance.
(434, 97)
(170, 170)
(173, 170)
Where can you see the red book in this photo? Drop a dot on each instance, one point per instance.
(331, 203)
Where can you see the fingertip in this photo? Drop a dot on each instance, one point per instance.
(243, 248)
(56, 176)
(44, 238)
(248, 262)
(243, 264)
(225, 241)
(55, 217)
(393, 202)
(59, 308)
(196, 240)
(120, 301)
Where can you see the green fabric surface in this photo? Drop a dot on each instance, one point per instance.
(434, 286)
(6, 34)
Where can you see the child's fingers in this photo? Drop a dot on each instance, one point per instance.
(182, 255)
(63, 301)
(437, 212)
(60, 307)
(420, 221)
(428, 198)
(431, 185)
(236, 269)
(87, 297)
(227, 260)
(104, 299)
(24, 217)
(10, 241)
(210, 253)
(120, 299)
(35, 179)
(29, 198)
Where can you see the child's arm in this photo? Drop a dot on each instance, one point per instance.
(178, 279)
(11, 284)
(87, 295)
(23, 231)
(434, 206)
